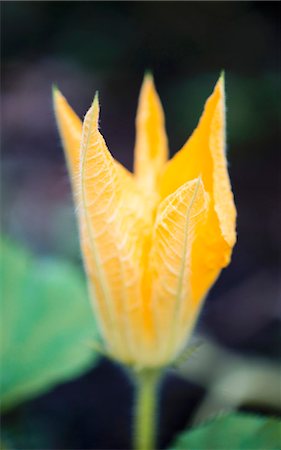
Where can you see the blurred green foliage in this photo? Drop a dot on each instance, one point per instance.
(47, 327)
(233, 431)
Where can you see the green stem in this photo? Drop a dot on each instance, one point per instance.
(145, 410)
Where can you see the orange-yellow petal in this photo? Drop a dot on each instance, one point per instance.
(113, 231)
(150, 268)
(70, 128)
(179, 217)
(151, 148)
(204, 154)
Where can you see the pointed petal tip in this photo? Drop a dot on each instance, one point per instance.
(221, 81)
(58, 97)
(148, 80)
(95, 104)
(94, 110)
(96, 98)
(148, 75)
(55, 90)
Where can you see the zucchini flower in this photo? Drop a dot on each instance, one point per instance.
(155, 241)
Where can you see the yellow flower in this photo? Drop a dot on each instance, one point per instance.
(155, 241)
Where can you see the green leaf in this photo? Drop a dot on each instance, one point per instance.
(232, 432)
(47, 324)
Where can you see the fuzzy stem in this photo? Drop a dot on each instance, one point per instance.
(146, 410)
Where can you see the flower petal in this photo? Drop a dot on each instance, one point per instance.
(70, 128)
(204, 154)
(178, 222)
(151, 149)
(113, 229)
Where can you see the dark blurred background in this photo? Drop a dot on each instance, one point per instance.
(107, 46)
